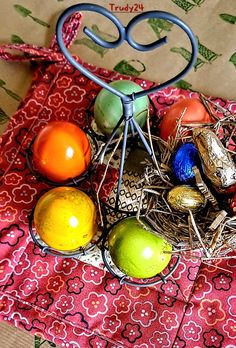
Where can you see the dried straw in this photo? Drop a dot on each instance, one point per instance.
(211, 230)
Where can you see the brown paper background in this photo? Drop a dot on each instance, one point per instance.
(217, 77)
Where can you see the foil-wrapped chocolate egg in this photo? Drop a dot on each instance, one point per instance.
(183, 198)
(185, 158)
(217, 163)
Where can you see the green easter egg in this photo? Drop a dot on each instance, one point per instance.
(136, 251)
(108, 107)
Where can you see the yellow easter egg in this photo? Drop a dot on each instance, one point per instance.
(65, 218)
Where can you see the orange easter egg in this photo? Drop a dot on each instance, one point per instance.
(193, 112)
(61, 151)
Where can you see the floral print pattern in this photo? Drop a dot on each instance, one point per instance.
(222, 282)
(131, 332)
(160, 339)
(11, 235)
(24, 194)
(65, 304)
(74, 285)
(169, 320)
(211, 311)
(92, 275)
(44, 300)
(201, 287)
(144, 313)
(6, 269)
(77, 304)
(74, 94)
(55, 284)
(230, 328)
(5, 198)
(28, 286)
(12, 179)
(232, 305)
(95, 304)
(8, 214)
(40, 269)
(213, 339)
(22, 264)
(192, 331)
(112, 285)
(111, 323)
(5, 304)
(58, 329)
(65, 266)
(122, 304)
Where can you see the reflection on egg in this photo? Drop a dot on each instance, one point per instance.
(184, 159)
(108, 107)
(136, 251)
(190, 110)
(183, 198)
(61, 151)
(65, 218)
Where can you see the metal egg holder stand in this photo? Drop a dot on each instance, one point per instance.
(127, 119)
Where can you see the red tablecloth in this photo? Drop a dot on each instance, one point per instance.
(75, 304)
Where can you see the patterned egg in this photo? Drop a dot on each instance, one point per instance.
(183, 198)
(184, 159)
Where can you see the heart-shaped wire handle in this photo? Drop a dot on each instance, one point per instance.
(125, 33)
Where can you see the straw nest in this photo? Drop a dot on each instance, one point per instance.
(213, 229)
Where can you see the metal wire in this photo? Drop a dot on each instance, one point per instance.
(125, 34)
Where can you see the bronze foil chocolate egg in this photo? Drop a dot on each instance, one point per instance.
(217, 163)
(183, 198)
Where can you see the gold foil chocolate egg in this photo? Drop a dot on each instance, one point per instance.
(217, 163)
(183, 198)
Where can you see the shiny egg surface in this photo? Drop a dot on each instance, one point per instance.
(108, 107)
(61, 151)
(65, 218)
(136, 251)
(183, 198)
(185, 158)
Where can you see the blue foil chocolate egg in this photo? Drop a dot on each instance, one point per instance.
(185, 158)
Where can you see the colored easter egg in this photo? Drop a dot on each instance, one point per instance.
(136, 251)
(185, 158)
(65, 218)
(190, 110)
(108, 108)
(183, 198)
(61, 151)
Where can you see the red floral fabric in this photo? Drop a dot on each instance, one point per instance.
(73, 303)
